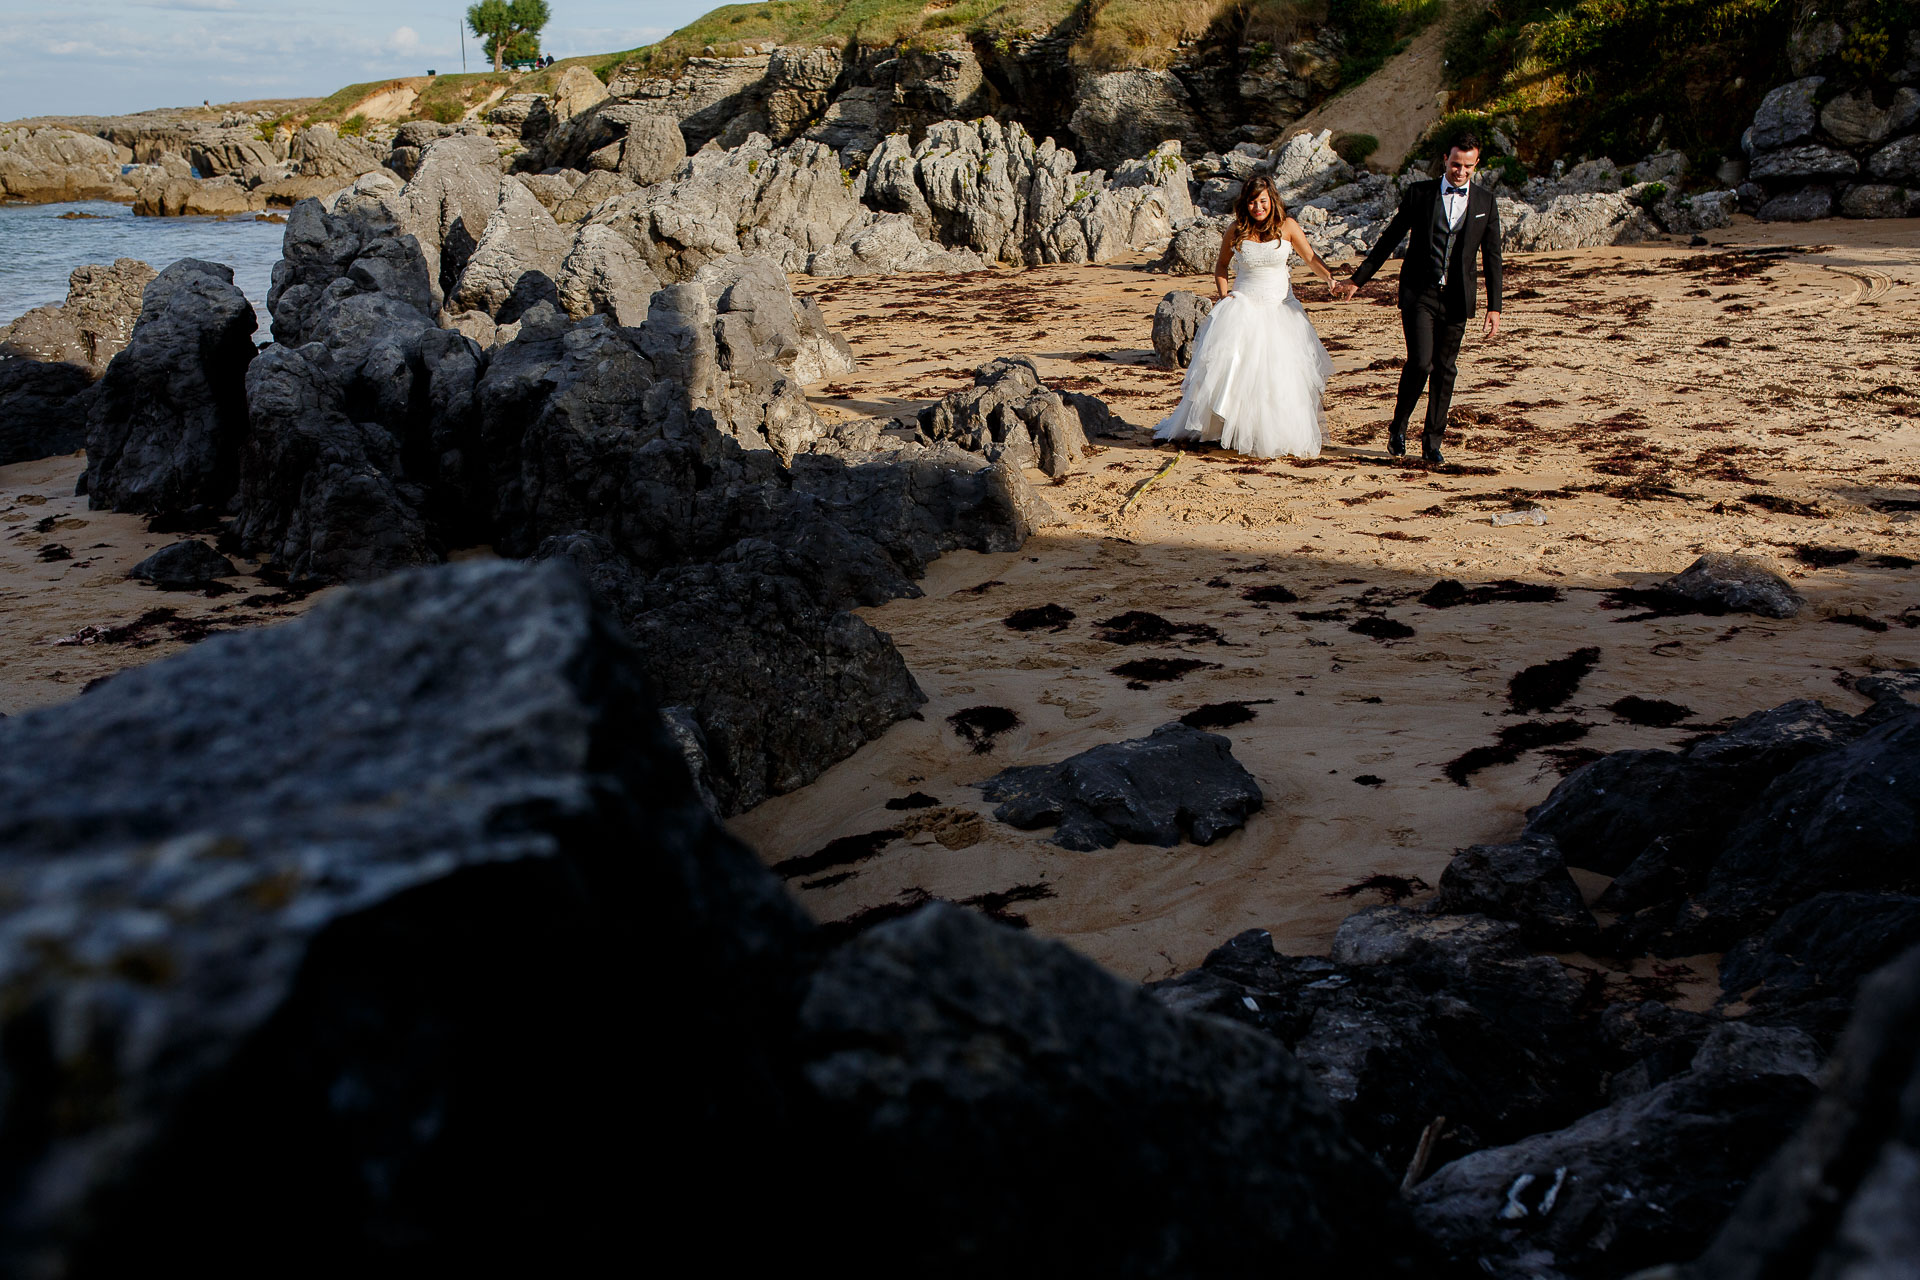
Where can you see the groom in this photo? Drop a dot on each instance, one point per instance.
(1450, 222)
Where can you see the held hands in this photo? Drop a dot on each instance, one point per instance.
(1344, 290)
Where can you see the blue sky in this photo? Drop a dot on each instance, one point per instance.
(106, 57)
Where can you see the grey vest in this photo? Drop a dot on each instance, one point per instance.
(1444, 236)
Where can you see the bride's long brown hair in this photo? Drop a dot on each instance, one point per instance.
(1243, 223)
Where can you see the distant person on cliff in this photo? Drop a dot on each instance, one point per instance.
(1259, 371)
(1450, 222)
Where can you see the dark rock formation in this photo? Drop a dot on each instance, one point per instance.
(1525, 882)
(779, 680)
(1739, 583)
(1416, 1017)
(358, 894)
(1838, 1197)
(1194, 1147)
(1176, 783)
(1638, 1182)
(1805, 967)
(43, 409)
(187, 563)
(164, 427)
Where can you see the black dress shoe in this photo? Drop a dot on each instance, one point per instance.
(1397, 443)
(1432, 456)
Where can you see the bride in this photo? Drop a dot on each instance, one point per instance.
(1258, 369)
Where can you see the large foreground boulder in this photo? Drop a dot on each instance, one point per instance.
(322, 932)
(164, 429)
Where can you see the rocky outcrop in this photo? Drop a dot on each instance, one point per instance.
(1574, 222)
(1573, 1126)
(1639, 1181)
(1836, 1197)
(1833, 141)
(1010, 413)
(1176, 783)
(410, 843)
(47, 165)
(43, 408)
(91, 326)
(164, 428)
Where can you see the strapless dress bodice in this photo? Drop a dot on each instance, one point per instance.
(1261, 270)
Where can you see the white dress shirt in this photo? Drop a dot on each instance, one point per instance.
(1454, 200)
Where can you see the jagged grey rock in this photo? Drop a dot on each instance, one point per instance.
(651, 150)
(164, 428)
(1740, 583)
(759, 319)
(91, 326)
(1176, 783)
(1878, 200)
(1084, 1071)
(317, 151)
(1194, 248)
(1578, 221)
(319, 492)
(521, 241)
(1526, 882)
(1010, 413)
(1117, 114)
(1897, 161)
(781, 681)
(1785, 116)
(1176, 323)
(604, 275)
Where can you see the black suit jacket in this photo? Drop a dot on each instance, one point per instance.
(1479, 239)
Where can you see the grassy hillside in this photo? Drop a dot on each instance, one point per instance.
(1625, 77)
(1105, 33)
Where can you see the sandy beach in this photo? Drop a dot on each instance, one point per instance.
(1655, 402)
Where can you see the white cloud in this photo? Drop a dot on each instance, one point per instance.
(404, 40)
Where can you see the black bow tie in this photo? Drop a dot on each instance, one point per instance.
(1452, 190)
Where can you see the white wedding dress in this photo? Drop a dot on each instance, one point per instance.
(1259, 370)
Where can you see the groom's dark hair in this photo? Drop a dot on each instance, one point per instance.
(1460, 140)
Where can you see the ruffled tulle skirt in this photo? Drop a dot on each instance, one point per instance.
(1258, 375)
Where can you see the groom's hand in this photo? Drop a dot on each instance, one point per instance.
(1493, 324)
(1345, 290)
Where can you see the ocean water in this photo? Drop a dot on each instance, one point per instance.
(39, 249)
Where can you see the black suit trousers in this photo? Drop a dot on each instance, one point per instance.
(1433, 360)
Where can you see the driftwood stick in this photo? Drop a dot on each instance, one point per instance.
(1417, 1167)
